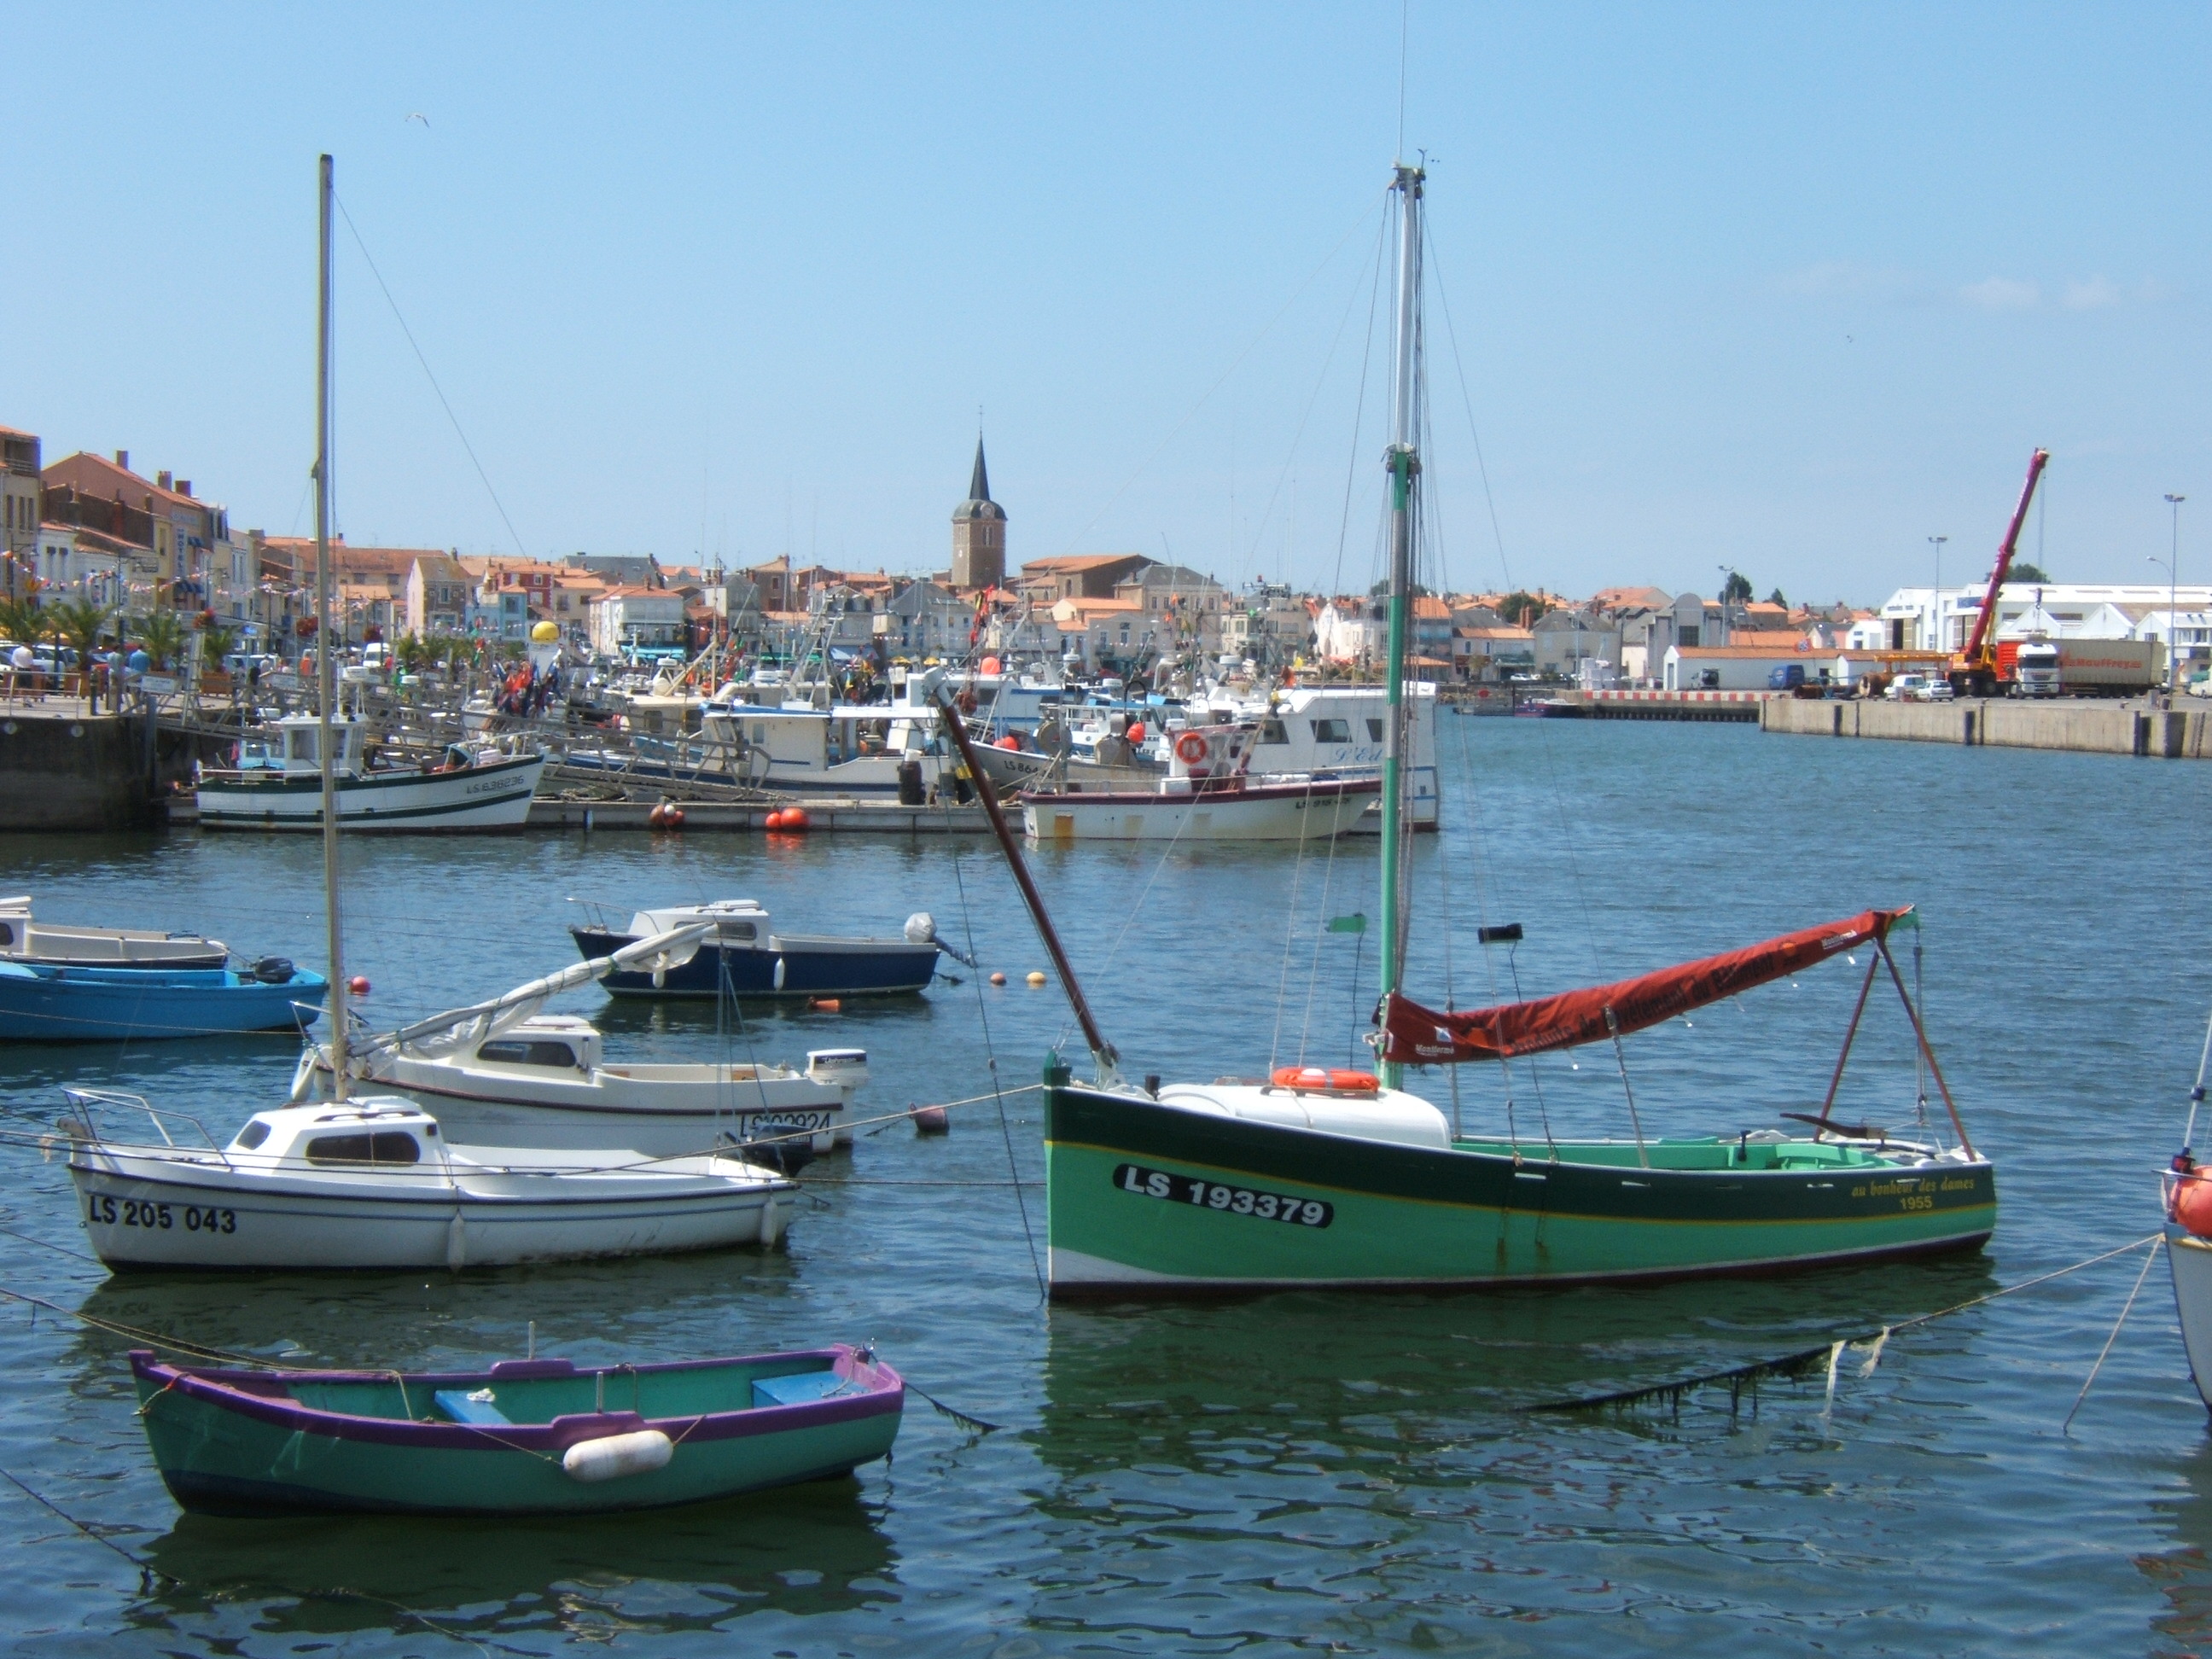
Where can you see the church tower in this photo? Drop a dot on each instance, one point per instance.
(978, 532)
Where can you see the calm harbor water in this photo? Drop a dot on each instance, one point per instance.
(1298, 1473)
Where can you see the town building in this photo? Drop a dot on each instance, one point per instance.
(187, 536)
(1078, 575)
(20, 514)
(438, 587)
(638, 622)
(978, 532)
(1564, 640)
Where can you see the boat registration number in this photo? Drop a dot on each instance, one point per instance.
(130, 1213)
(1217, 1196)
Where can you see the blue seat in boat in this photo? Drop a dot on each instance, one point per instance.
(457, 1405)
(797, 1389)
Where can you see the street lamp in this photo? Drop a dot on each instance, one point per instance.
(2172, 562)
(1936, 603)
(1728, 581)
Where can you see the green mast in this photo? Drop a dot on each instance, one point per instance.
(1403, 458)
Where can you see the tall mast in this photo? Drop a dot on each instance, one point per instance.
(1404, 460)
(326, 677)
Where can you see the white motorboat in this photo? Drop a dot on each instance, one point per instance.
(278, 785)
(25, 939)
(501, 1073)
(373, 1183)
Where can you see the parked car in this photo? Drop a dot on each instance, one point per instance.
(1907, 687)
(1936, 690)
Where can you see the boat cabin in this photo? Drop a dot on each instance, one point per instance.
(542, 1042)
(376, 1130)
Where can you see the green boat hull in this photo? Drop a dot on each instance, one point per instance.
(217, 1459)
(1145, 1199)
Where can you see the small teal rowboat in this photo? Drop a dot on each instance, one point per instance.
(40, 1003)
(527, 1437)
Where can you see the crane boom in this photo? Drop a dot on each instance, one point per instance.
(1977, 663)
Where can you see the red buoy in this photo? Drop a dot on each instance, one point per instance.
(931, 1121)
(2192, 1204)
(357, 986)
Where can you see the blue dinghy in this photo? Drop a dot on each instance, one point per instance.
(746, 954)
(44, 1004)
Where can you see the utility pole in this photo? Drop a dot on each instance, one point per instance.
(1936, 603)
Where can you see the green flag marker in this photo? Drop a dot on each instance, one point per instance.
(1352, 923)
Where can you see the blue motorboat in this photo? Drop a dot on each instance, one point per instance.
(746, 957)
(40, 1003)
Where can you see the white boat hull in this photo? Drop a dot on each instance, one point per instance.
(163, 1210)
(491, 797)
(659, 1115)
(2190, 1260)
(1272, 814)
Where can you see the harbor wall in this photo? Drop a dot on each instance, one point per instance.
(2091, 727)
(63, 772)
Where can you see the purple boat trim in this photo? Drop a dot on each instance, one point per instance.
(257, 1394)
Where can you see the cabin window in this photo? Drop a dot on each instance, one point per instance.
(383, 1146)
(739, 930)
(253, 1135)
(1271, 731)
(1375, 730)
(6, 934)
(1332, 731)
(518, 1053)
(303, 745)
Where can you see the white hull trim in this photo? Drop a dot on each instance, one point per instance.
(2190, 1260)
(1290, 816)
(496, 797)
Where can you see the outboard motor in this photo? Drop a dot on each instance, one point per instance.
(922, 929)
(272, 970)
(786, 1158)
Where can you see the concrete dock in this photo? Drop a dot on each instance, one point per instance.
(2089, 726)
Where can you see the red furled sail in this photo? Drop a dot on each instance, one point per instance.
(1414, 1035)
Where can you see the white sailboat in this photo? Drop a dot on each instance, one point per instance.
(373, 1181)
(2186, 1192)
(501, 1073)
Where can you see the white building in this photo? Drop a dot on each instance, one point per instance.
(1733, 667)
(1941, 619)
(625, 620)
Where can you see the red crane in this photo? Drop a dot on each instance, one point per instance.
(1973, 671)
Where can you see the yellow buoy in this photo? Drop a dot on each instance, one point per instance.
(1035, 980)
(546, 633)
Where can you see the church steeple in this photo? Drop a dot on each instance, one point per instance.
(979, 486)
(978, 532)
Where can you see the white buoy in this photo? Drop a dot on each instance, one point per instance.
(612, 1457)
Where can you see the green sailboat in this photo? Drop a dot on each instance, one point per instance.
(1327, 1178)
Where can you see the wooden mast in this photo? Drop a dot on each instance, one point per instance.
(1404, 459)
(1102, 1052)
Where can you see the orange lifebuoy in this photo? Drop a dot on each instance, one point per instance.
(1190, 748)
(1322, 1077)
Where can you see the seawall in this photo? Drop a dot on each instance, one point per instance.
(2099, 728)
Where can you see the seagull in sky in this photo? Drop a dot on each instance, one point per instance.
(417, 115)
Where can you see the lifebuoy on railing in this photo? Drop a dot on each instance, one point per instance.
(1190, 748)
(1323, 1078)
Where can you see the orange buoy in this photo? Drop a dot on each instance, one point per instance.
(653, 814)
(1136, 733)
(1323, 1079)
(990, 664)
(1010, 741)
(2192, 1204)
(672, 817)
(997, 979)
(824, 1004)
(773, 820)
(794, 817)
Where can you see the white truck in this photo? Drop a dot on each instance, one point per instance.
(2082, 668)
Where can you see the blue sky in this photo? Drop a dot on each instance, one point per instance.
(1777, 287)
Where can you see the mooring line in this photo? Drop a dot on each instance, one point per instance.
(1787, 1364)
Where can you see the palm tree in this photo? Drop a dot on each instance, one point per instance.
(165, 636)
(78, 623)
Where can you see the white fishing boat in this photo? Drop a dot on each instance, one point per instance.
(1207, 795)
(25, 939)
(501, 1073)
(373, 1183)
(472, 788)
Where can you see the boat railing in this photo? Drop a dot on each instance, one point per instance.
(85, 1102)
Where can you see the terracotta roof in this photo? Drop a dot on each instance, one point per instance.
(123, 478)
(1769, 652)
(1430, 610)
(1766, 638)
(1061, 562)
(1521, 633)
(15, 432)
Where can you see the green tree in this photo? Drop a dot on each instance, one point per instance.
(23, 622)
(166, 636)
(1736, 589)
(1775, 597)
(2022, 571)
(1520, 610)
(78, 623)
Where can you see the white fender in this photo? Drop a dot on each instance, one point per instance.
(614, 1456)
